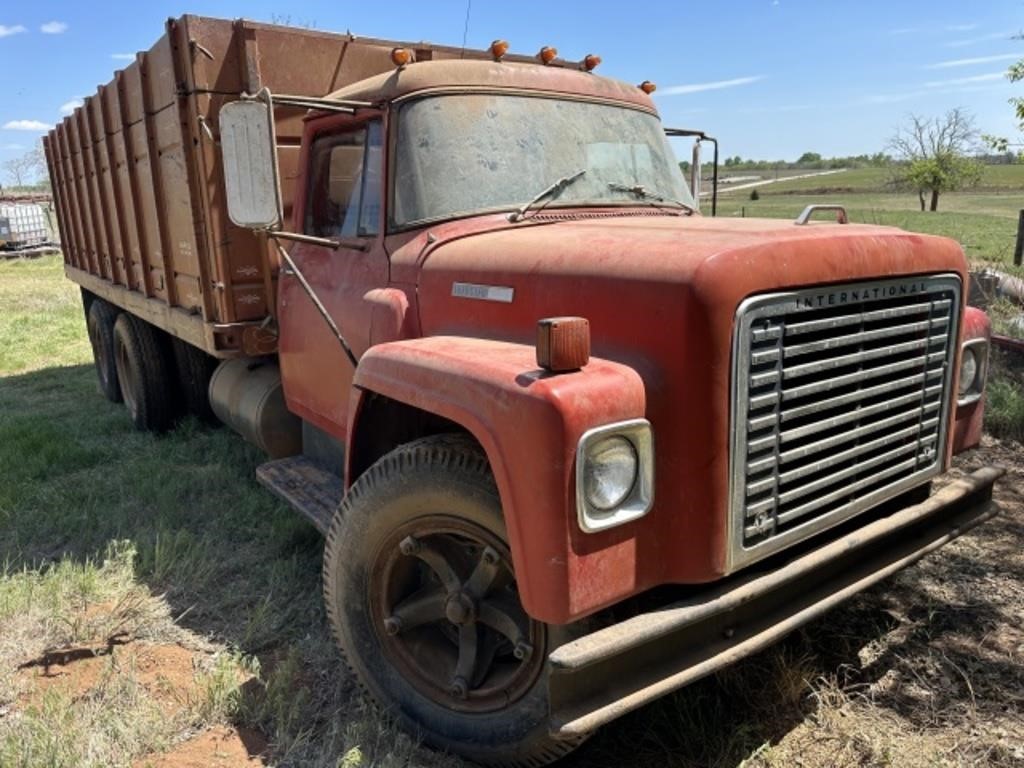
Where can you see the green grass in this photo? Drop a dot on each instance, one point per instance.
(41, 319)
(983, 219)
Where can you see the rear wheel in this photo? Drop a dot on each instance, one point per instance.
(144, 372)
(194, 368)
(422, 598)
(100, 321)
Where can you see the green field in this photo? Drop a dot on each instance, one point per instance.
(982, 219)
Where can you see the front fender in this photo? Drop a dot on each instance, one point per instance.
(529, 422)
(967, 424)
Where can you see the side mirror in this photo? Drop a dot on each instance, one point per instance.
(695, 173)
(249, 154)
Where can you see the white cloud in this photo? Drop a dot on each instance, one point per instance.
(673, 90)
(17, 29)
(26, 125)
(779, 108)
(892, 98)
(975, 40)
(54, 28)
(976, 60)
(13, 147)
(967, 80)
(123, 56)
(961, 27)
(70, 106)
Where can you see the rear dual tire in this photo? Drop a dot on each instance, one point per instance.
(144, 370)
(100, 320)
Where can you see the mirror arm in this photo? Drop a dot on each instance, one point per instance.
(701, 136)
(286, 257)
(326, 242)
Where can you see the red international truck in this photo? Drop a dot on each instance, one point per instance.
(572, 443)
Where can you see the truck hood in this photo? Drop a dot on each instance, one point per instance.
(661, 293)
(618, 270)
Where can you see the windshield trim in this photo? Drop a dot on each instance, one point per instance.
(393, 124)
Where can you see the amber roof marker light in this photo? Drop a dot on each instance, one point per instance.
(647, 87)
(498, 49)
(563, 343)
(591, 62)
(547, 54)
(401, 56)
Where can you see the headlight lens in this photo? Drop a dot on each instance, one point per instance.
(968, 370)
(609, 472)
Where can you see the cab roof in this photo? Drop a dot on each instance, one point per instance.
(455, 75)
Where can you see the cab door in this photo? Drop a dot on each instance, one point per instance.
(341, 201)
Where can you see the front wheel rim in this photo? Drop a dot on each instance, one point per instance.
(445, 609)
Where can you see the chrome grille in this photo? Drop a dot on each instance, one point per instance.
(840, 399)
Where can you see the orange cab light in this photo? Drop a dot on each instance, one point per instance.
(590, 62)
(647, 87)
(498, 49)
(563, 343)
(547, 54)
(401, 56)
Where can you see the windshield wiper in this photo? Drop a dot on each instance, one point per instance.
(640, 191)
(552, 191)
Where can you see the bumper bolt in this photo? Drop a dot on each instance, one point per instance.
(459, 688)
(410, 545)
(522, 651)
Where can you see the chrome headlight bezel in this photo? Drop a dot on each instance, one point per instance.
(979, 348)
(640, 498)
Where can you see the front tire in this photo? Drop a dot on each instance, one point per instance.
(421, 597)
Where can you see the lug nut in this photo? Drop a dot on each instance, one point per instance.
(490, 556)
(459, 688)
(392, 625)
(522, 651)
(410, 545)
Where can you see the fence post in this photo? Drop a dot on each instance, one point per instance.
(1018, 252)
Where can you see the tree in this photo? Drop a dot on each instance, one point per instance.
(26, 169)
(809, 157)
(1014, 74)
(933, 151)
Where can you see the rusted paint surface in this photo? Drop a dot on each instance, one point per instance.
(529, 422)
(967, 424)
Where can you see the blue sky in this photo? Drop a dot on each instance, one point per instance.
(770, 78)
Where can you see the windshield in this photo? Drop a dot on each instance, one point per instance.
(466, 153)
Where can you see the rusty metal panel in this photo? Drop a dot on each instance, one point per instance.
(129, 94)
(124, 208)
(92, 199)
(73, 228)
(109, 207)
(175, 194)
(59, 195)
(81, 193)
(147, 211)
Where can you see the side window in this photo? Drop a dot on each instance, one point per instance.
(345, 184)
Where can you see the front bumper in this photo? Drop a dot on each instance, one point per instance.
(617, 669)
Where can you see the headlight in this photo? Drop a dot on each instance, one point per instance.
(968, 370)
(609, 472)
(614, 474)
(973, 364)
